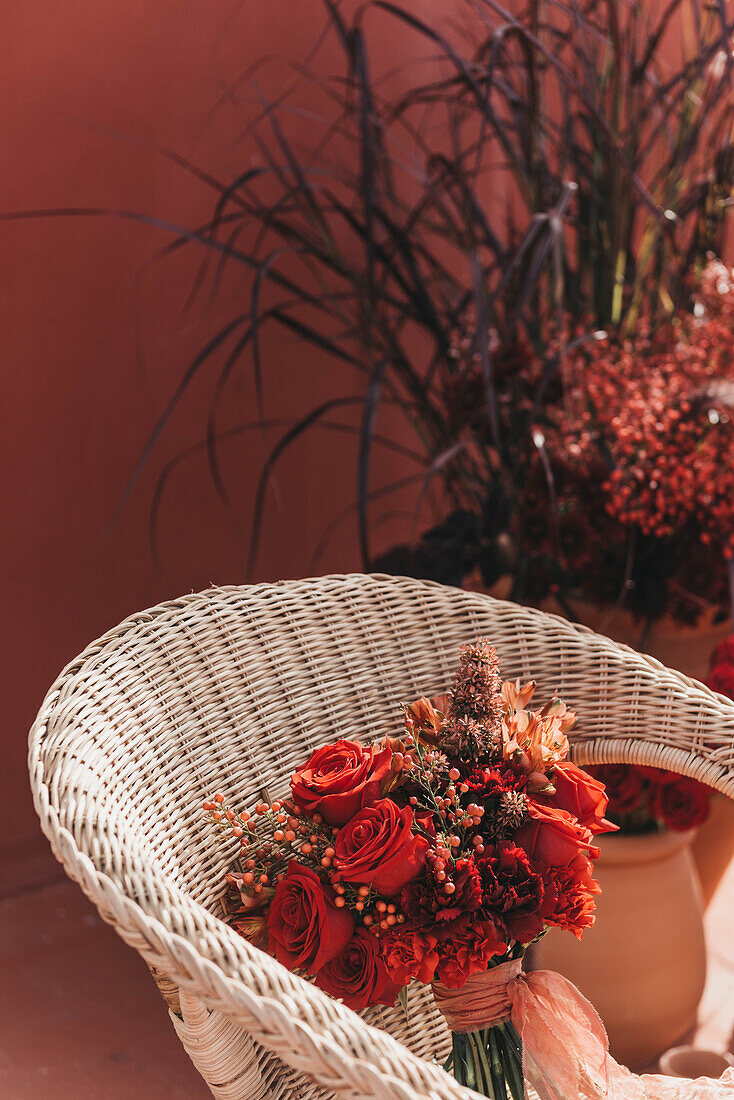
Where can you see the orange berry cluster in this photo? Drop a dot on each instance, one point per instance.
(294, 835)
(272, 835)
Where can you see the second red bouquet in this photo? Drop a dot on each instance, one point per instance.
(438, 856)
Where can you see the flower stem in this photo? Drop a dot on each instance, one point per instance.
(512, 1062)
(489, 1061)
(495, 1065)
(481, 1040)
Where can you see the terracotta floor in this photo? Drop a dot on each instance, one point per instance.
(81, 1019)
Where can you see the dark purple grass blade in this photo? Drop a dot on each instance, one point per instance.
(367, 427)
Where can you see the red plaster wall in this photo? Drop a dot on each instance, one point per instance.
(77, 401)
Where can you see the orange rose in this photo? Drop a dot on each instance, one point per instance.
(552, 836)
(580, 794)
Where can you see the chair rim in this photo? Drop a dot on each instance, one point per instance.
(319, 1053)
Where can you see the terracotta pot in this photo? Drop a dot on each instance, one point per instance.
(713, 848)
(643, 965)
(693, 1062)
(687, 649)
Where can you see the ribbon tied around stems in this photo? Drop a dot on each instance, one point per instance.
(565, 1047)
(483, 1000)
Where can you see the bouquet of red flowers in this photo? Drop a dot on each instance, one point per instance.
(436, 856)
(644, 799)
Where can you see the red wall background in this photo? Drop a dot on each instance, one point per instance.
(78, 401)
(94, 340)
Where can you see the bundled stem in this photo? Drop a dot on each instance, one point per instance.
(490, 1062)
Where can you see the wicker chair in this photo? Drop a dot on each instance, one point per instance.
(228, 689)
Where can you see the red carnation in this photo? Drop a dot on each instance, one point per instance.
(582, 795)
(378, 848)
(409, 953)
(553, 836)
(468, 951)
(681, 805)
(568, 901)
(338, 780)
(493, 782)
(358, 975)
(511, 891)
(427, 903)
(305, 928)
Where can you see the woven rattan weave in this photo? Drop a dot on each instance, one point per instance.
(228, 689)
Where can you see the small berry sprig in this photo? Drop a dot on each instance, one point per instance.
(440, 787)
(376, 913)
(442, 791)
(271, 836)
(307, 839)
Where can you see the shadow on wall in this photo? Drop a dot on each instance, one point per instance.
(96, 337)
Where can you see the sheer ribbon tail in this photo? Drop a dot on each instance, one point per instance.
(566, 1052)
(564, 1041)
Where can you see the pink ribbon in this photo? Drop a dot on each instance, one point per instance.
(482, 1001)
(565, 1048)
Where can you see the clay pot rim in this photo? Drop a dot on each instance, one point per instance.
(642, 847)
(669, 1058)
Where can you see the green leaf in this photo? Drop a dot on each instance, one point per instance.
(403, 999)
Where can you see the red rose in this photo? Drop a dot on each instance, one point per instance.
(723, 653)
(338, 780)
(582, 795)
(511, 891)
(358, 975)
(553, 836)
(568, 900)
(378, 848)
(721, 679)
(408, 954)
(427, 904)
(305, 929)
(468, 952)
(681, 805)
(624, 786)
